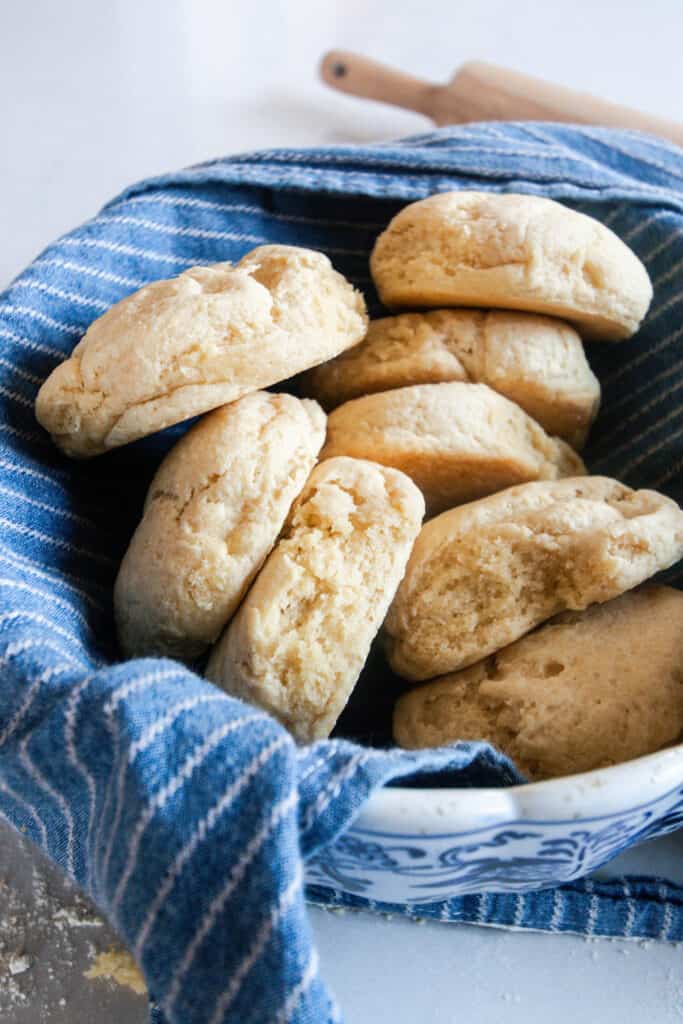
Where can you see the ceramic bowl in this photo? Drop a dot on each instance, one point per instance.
(413, 846)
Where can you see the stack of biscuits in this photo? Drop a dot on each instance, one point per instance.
(280, 538)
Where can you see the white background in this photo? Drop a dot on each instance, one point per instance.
(95, 95)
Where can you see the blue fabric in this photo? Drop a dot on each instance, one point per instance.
(186, 815)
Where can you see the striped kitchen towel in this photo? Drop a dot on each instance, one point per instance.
(187, 816)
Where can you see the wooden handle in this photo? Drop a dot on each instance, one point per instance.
(485, 92)
(360, 76)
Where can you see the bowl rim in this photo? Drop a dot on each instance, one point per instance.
(620, 789)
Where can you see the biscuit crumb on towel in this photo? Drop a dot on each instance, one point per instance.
(512, 252)
(536, 361)
(178, 348)
(482, 575)
(586, 690)
(298, 643)
(458, 442)
(213, 512)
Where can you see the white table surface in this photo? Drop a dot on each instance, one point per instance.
(94, 96)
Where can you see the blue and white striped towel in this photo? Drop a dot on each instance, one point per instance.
(184, 814)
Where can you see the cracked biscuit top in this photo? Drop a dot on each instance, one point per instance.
(457, 441)
(586, 690)
(213, 512)
(512, 252)
(536, 361)
(300, 638)
(178, 348)
(484, 574)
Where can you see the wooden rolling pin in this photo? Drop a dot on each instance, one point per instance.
(484, 92)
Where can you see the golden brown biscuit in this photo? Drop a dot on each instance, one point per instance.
(301, 637)
(458, 442)
(512, 252)
(482, 575)
(587, 690)
(212, 514)
(536, 361)
(180, 347)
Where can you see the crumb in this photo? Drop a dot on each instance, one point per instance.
(18, 963)
(71, 916)
(117, 965)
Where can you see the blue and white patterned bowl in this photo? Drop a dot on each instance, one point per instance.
(414, 846)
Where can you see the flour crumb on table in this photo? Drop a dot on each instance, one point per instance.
(117, 965)
(70, 916)
(46, 943)
(18, 964)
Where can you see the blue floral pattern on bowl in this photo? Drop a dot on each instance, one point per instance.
(511, 856)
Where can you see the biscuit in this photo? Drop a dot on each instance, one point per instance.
(482, 575)
(301, 637)
(180, 347)
(212, 514)
(536, 361)
(511, 252)
(457, 442)
(587, 690)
